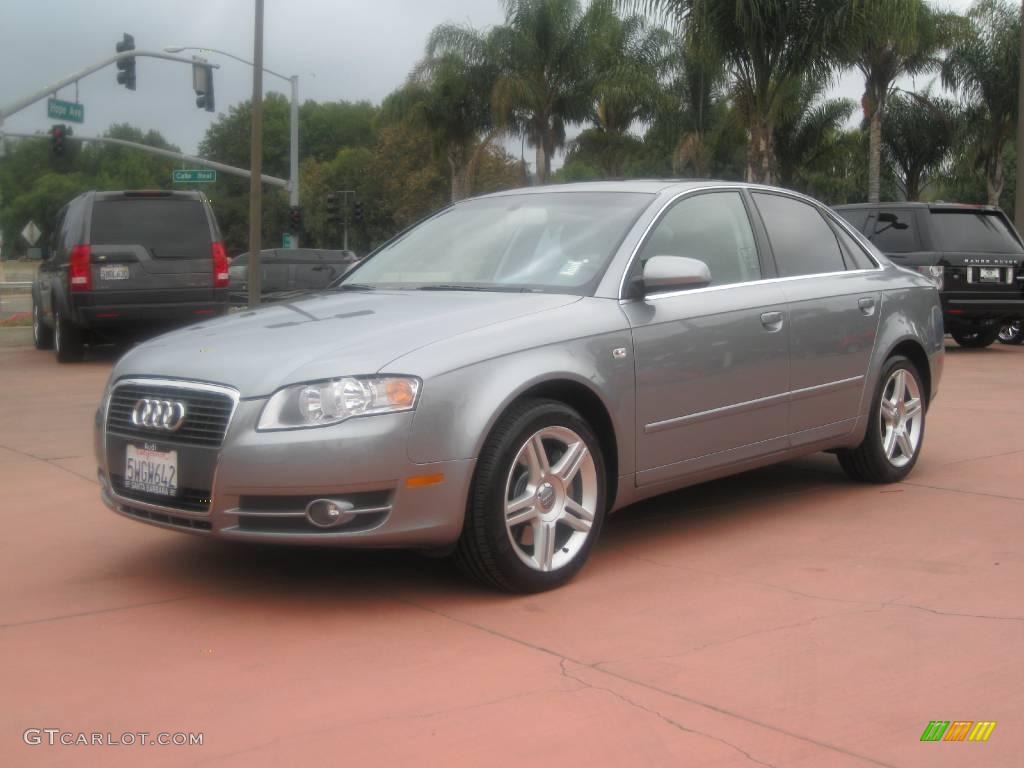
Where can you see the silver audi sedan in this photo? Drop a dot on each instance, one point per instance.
(494, 381)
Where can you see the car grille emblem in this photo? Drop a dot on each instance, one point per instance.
(166, 415)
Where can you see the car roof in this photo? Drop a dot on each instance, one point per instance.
(146, 193)
(648, 186)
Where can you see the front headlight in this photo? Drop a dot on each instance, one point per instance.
(934, 274)
(320, 403)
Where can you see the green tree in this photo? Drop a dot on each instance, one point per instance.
(918, 136)
(808, 131)
(767, 45)
(983, 66)
(896, 38)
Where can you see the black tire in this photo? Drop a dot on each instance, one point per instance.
(1012, 333)
(67, 340)
(485, 550)
(868, 461)
(983, 337)
(42, 335)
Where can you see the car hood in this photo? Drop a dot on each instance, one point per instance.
(323, 336)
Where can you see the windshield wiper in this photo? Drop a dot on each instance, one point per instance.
(356, 287)
(467, 287)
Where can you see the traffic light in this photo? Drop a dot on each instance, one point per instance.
(202, 84)
(357, 211)
(58, 135)
(295, 220)
(333, 212)
(126, 67)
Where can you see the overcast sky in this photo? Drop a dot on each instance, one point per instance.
(341, 49)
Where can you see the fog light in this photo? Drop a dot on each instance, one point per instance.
(329, 513)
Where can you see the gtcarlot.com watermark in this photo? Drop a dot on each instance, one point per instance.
(56, 737)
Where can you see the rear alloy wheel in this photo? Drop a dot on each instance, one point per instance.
(982, 337)
(895, 433)
(1012, 333)
(67, 340)
(537, 502)
(42, 336)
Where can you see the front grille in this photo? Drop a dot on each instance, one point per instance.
(158, 517)
(206, 414)
(188, 499)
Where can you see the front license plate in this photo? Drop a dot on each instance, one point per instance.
(990, 274)
(113, 272)
(151, 471)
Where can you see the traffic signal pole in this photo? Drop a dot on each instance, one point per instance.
(254, 271)
(28, 101)
(228, 169)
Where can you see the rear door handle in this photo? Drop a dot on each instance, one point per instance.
(771, 320)
(867, 306)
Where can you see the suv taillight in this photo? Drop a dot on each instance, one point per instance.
(79, 272)
(221, 278)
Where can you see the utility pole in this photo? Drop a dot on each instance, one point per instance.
(256, 163)
(1018, 205)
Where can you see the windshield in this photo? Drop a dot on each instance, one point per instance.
(552, 241)
(976, 231)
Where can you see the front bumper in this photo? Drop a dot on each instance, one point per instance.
(262, 481)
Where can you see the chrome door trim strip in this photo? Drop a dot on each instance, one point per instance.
(750, 405)
(765, 281)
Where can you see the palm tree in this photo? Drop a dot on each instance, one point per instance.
(807, 133)
(983, 66)
(919, 135)
(768, 45)
(897, 38)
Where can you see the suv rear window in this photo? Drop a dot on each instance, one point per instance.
(169, 228)
(979, 231)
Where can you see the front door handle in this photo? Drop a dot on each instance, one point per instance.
(772, 321)
(867, 306)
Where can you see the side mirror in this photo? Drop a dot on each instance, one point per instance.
(667, 273)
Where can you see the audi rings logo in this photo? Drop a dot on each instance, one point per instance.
(158, 414)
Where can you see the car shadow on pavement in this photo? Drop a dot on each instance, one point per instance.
(286, 573)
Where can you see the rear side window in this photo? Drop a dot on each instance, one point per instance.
(983, 232)
(894, 231)
(854, 254)
(169, 228)
(802, 241)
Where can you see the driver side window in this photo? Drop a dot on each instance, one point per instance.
(713, 228)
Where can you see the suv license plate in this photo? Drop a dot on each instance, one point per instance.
(111, 272)
(151, 471)
(990, 274)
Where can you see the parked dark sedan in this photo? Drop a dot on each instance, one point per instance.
(288, 273)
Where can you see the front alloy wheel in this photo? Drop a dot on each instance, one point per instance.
(537, 500)
(551, 494)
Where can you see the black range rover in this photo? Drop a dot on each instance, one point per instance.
(972, 252)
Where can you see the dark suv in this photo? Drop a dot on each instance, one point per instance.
(971, 252)
(124, 264)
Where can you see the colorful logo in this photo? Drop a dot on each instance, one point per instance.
(958, 730)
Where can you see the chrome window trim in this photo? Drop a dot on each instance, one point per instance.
(737, 187)
(195, 386)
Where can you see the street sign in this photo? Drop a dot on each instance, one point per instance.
(65, 110)
(286, 240)
(193, 176)
(31, 233)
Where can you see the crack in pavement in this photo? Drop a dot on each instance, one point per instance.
(28, 455)
(649, 686)
(111, 609)
(961, 615)
(659, 715)
(1018, 499)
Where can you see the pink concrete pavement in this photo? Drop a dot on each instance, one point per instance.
(784, 617)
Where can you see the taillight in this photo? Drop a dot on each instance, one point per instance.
(221, 278)
(79, 272)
